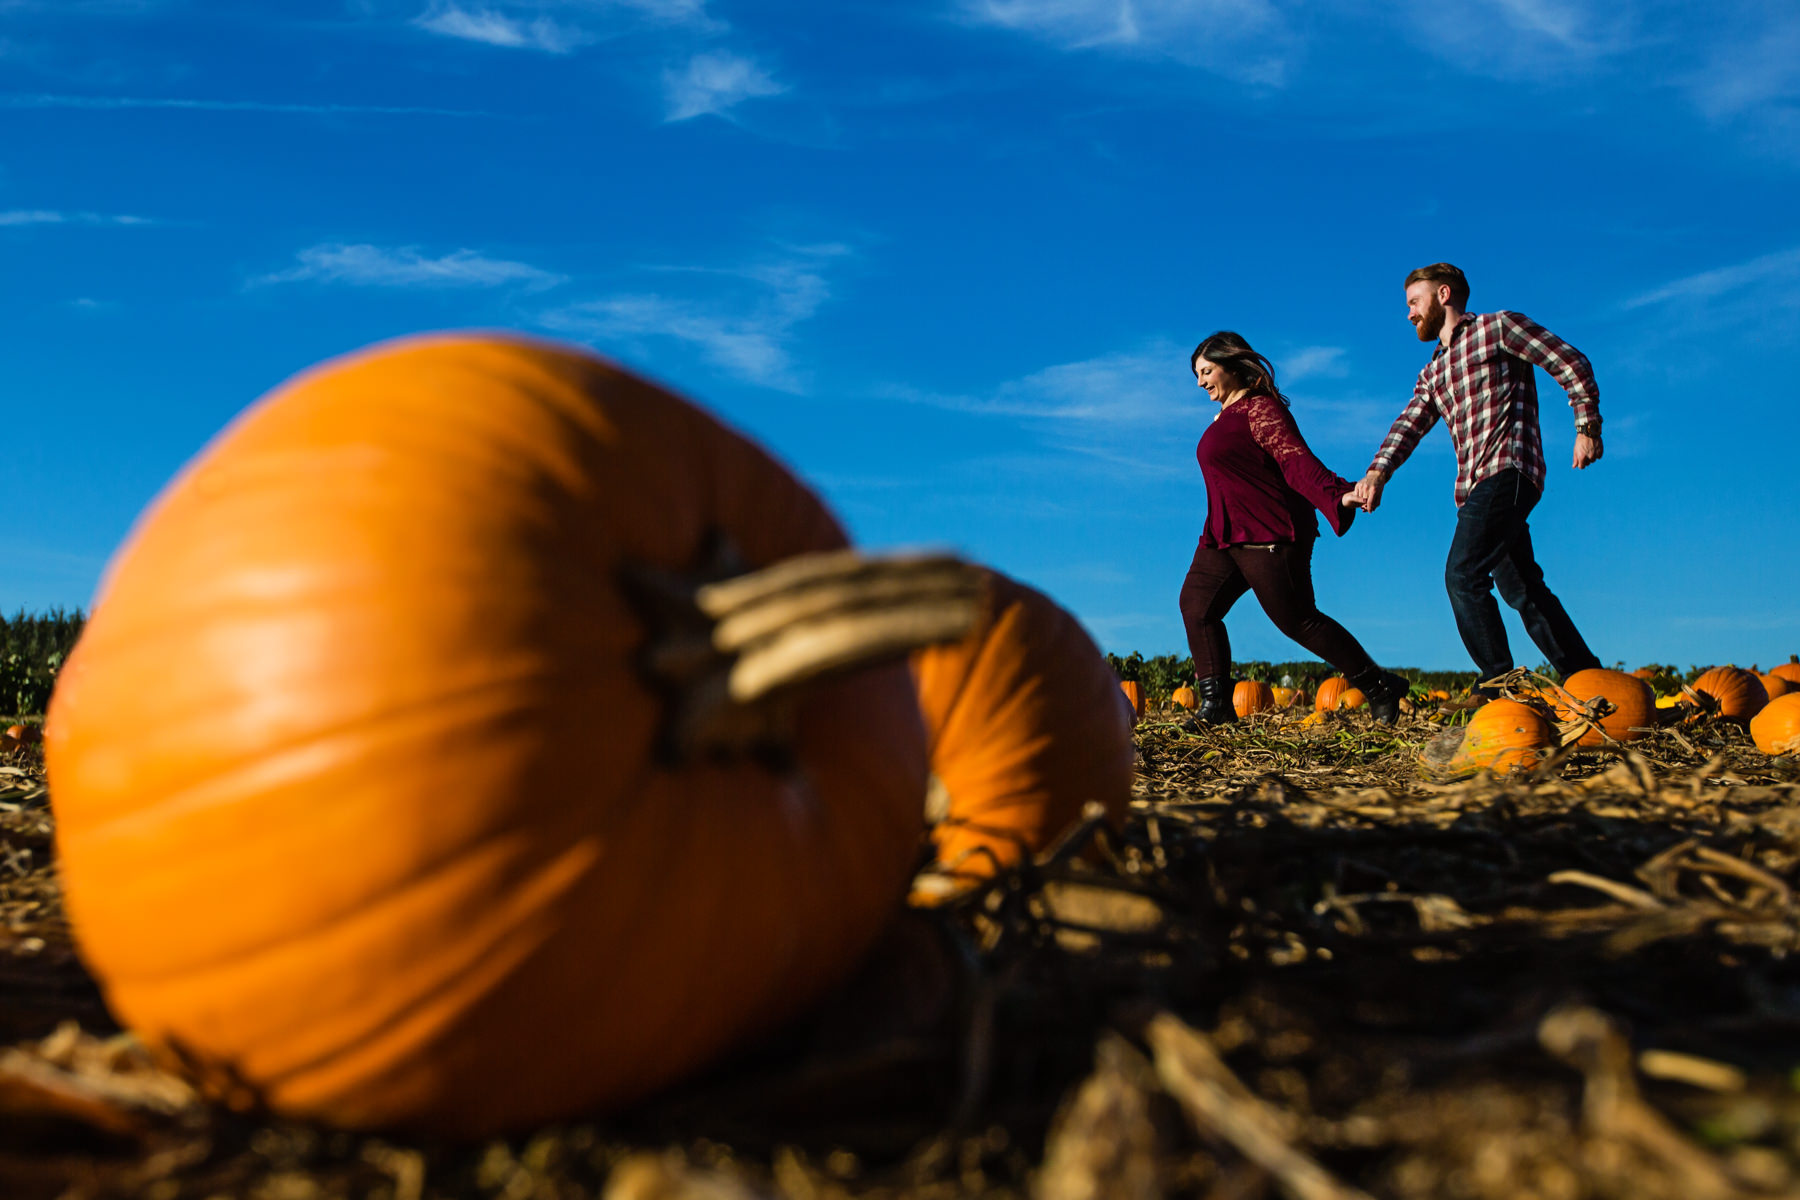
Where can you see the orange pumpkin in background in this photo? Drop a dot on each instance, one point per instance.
(1633, 703)
(1789, 671)
(1134, 698)
(1775, 685)
(1776, 729)
(1025, 729)
(1739, 693)
(358, 789)
(1330, 694)
(1252, 696)
(1185, 697)
(1353, 698)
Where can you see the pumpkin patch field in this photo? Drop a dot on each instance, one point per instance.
(561, 807)
(1299, 964)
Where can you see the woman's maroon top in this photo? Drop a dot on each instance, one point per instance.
(1262, 482)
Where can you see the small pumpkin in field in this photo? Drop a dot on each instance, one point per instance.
(17, 737)
(1789, 671)
(1024, 731)
(1134, 697)
(1353, 698)
(1632, 704)
(1184, 697)
(1776, 729)
(1738, 693)
(1330, 693)
(1284, 696)
(1252, 696)
(1501, 736)
(1775, 685)
(366, 809)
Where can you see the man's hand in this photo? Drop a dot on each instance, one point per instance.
(1587, 450)
(1367, 492)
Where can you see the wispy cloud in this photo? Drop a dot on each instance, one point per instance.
(40, 216)
(1524, 39)
(745, 324)
(1242, 39)
(713, 83)
(668, 12)
(497, 29)
(1311, 362)
(526, 25)
(43, 100)
(363, 265)
(1562, 22)
(1781, 267)
(1127, 388)
(1753, 67)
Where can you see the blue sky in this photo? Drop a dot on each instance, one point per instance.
(947, 259)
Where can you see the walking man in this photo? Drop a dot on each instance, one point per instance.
(1479, 382)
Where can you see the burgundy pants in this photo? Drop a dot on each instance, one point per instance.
(1281, 576)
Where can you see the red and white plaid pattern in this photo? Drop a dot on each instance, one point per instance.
(1481, 386)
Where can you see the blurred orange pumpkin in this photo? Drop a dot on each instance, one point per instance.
(1633, 704)
(359, 797)
(1775, 685)
(1739, 693)
(1789, 671)
(1184, 696)
(1252, 696)
(1134, 698)
(1776, 729)
(1502, 735)
(1330, 693)
(1352, 698)
(1024, 730)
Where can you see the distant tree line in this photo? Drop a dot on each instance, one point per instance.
(32, 649)
(34, 645)
(1162, 674)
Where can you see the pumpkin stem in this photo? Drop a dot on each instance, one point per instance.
(732, 651)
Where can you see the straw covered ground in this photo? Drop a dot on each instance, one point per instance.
(1300, 970)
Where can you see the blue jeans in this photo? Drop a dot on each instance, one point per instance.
(1493, 546)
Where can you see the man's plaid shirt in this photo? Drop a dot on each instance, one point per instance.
(1481, 386)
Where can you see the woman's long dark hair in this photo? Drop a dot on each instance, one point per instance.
(1231, 351)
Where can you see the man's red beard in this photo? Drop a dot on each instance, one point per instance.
(1431, 322)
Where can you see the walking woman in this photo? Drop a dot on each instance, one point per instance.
(1262, 485)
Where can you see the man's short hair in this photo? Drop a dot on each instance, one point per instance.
(1438, 273)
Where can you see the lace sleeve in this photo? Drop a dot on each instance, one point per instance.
(1274, 430)
(1273, 427)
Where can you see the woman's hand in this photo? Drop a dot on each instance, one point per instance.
(1367, 492)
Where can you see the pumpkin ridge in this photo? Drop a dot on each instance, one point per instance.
(422, 873)
(497, 956)
(305, 742)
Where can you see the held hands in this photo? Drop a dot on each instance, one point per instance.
(1366, 495)
(1587, 451)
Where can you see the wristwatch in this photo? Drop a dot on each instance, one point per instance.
(1588, 428)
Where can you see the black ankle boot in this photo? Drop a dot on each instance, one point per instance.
(1215, 701)
(1384, 690)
